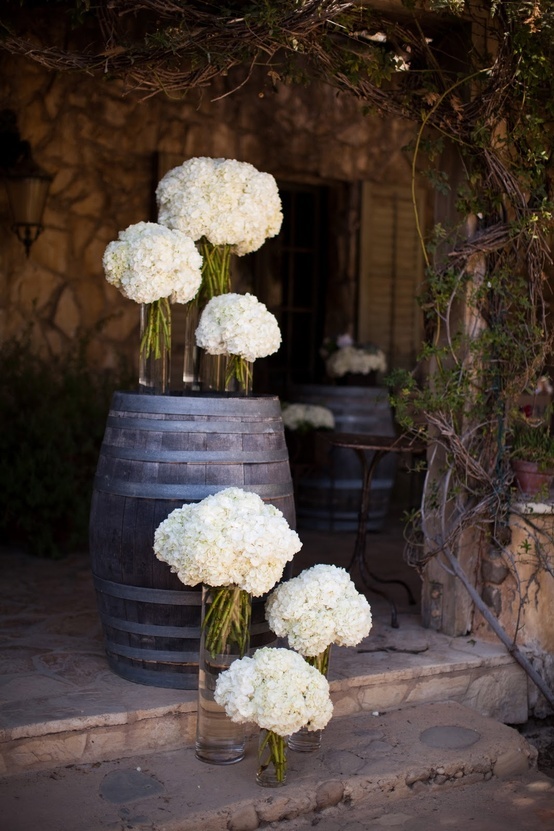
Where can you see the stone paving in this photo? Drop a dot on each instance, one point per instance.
(84, 750)
(61, 704)
(373, 771)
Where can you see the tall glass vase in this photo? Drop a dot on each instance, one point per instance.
(155, 347)
(213, 372)
(225, 373)
(272, 760)
(191, 356)
(225, 637)
(216, 270)
(239, 375)
(216, 280)
(308, 741)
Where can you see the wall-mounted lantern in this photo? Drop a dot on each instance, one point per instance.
(27, 184)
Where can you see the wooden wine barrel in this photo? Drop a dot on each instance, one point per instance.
(328, 496)
(158, 453)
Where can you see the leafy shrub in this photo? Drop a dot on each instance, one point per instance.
(53, 412)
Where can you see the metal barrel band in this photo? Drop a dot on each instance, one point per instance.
(147, 595)
(200, 456)
(182, 493)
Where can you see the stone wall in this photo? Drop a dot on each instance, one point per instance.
(518, 587)
(102, 146)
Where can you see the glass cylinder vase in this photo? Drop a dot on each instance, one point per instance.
(239, 375)
(272, 760)
(225, 637)
(216, 269)
(213, 372)
(308, 741)
(191, 356)
(225, 373)
(155, 347)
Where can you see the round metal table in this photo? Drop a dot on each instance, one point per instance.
(379, 446)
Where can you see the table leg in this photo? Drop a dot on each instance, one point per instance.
(368, 469)
(359, 555)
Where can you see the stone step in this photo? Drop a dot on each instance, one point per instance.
(365, 760)
(109, 718)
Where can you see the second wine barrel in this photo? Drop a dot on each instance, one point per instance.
(328, 497)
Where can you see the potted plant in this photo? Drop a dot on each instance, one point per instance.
(532, 451)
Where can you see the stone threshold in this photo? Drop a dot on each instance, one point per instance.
(364, 759)
(391, 669)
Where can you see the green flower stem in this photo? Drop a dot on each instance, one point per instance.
(158, 325)
(216, 269)
(277, 754)
(321, 661)
(227, 620)
(241, 369)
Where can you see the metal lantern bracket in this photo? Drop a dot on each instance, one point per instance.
(27, 184)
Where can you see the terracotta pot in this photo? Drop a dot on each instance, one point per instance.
(529, 479)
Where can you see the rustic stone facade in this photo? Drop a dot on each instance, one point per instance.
(103, 146)
(518, 588)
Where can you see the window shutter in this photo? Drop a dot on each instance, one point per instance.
(391, 272)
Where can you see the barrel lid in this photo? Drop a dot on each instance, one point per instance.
(197, 404)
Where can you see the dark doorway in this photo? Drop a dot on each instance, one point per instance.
(290, 275)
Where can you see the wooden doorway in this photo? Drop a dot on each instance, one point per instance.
(290, 275)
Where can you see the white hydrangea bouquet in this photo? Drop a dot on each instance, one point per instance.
(226, 205)
(318, 608)
(239, 326)
(233, 542)
(154, 265)
(344, 357)
(305, 417)
(277, 690)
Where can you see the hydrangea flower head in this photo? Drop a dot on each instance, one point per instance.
(319, 607)
(149, 261)
(238, 324)
(229, 538)
(356, 360)
(308, 417)
(277, 690)
(226, 201)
